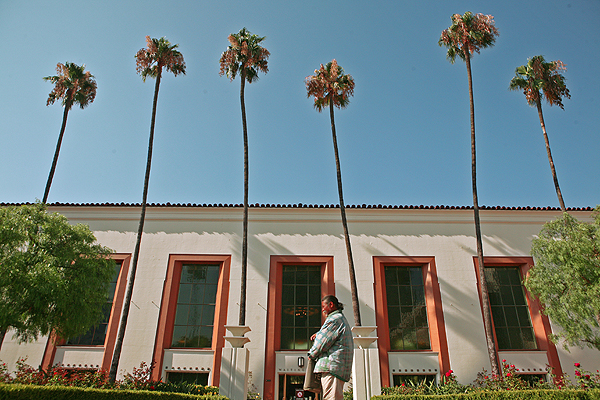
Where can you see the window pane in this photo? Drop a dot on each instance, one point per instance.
(511, 316)
(507, 295)
(301, 338)
(287, 295)
(178, 336)
(302, 295)
(410, 339)
(301, 305)
(314, 316)
(197, 293)
(528, 339)
(519, 295)
(423, 338)
(301, 277)
(510, 313)
(405, 296)
(503, 338)
(516, 340)
(394, 317)
(393, 299)
(287, 338)
(314, 276)
(287, 316)
(181, 315)
(194, 378)
(208, 315)
(498, 316)
(301, 316)
(185, 293)
(391, 276)
(97, 334)
(421, 317)
(314, 292)
(405, 321)
(195, 313)
(415, 380)
(416, 276)
(418, 295)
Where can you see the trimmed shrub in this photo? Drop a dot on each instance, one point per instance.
(35, 392)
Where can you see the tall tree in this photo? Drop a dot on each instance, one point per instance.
(73, 86)
(54, 276)
(538, 75)
(329, 86)
(566, 278)
(150, 61)
(466, 36)
(246, 57)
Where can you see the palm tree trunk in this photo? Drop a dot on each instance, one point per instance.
(242, 318)
(2, 334)
(355, 305)
(55, 159)
(127, 302)
(487, 315)
(558, 192)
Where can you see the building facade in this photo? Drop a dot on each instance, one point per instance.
(416, 272)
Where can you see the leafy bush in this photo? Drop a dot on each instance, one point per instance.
(510, 380)
(530, 394)
(4, 375)
(139, 379)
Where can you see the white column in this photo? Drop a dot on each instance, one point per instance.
(235, 360)
(366, 376)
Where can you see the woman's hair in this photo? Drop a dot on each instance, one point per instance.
(332, 299)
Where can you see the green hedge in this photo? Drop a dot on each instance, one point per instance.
(504, 395)
(32, 392)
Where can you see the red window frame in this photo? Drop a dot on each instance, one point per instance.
(435, 315)
(273, 337)
(113, 324)
(166, 319)
(540, 322)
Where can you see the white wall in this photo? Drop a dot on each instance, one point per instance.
(446, 234)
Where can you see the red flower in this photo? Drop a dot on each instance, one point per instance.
(449, 373)
(577, 365)
(508, 374)
(503, 361)
(577, 373)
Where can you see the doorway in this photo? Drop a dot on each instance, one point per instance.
(289, 387)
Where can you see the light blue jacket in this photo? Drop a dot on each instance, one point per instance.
(333, 348)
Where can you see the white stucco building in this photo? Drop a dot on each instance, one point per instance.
(416, 277)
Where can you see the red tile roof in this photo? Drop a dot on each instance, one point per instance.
(301, 205)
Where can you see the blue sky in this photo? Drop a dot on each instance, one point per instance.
(403, 140)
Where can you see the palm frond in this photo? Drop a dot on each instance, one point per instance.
(330, 84)
(244, 56)
(468, 34)
(540, 79)
(159, 53)
(72, 85)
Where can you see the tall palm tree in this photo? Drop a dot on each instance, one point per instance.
(538, 75)
(150, 61)
(466, 36)
(72, 85)
(246, 57)
(329, 86)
